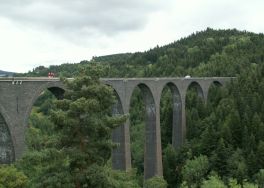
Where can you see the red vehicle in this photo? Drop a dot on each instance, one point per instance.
(51, 75)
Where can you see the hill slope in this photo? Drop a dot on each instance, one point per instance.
(225, 136)
(206, 53)
(5, 73)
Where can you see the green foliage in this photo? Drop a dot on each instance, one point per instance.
(10, 177)
(137, 131)
(84, 122)
(213, 182)
(137, 147)
(170, 165)
(249, 185)
(237, 166)
(46, 168)
(122, 179)
(195, 170)
(260, 178)
(166, 115)
(155, 182)
(233, 184)
(72, 149)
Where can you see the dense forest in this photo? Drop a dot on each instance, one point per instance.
(225, 136)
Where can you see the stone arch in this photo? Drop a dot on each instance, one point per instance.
(7, 152)
(177, 134)
(150, 144)
(213, 91)
(121, 155)
(56, 88)
(194, 108)
(117, 108)
(57, 92)
(217, 83)
(198, 89)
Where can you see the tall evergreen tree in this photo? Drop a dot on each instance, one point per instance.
(83, 123)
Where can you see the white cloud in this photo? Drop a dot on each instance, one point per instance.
(104, 16)
(44, 32)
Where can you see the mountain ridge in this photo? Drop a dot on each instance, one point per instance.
(6, 73)
(204, 53)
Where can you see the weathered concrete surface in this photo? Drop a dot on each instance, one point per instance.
(152, 89)
(17, 96)
(6, 145)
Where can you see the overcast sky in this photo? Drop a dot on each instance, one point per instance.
(49, 32)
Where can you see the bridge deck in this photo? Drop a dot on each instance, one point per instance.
(4, 79)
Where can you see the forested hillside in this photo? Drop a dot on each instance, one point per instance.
(207, 53)
(225, 136)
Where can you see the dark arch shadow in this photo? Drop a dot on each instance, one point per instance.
(217, 83)
(197, 87)
(57, 89)
(7, 154)
(195, 110)
(57, 92)
(214, 94)
(175, 129)
(150, 130)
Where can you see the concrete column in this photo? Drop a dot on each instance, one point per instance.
(152, 154)
(7, 154)
(121, 159)
(177, 135)
(159, 166)
(200, 91)
(19, 140)
(183, 122)
(205, 89)
(14, 101)
(15, 130)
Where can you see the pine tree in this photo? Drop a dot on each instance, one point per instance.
(195, 170)
(252, 163)
(237, 166)
(260, 155)
(84, 122)
(82, 144)
(256, 121)
(219, 157)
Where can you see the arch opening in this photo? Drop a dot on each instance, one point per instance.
(171, 129)
(195, 110)
(215, 93)
(39, 125)
(7, 154)
(57, 92)
(142, 131)
(44, 96)
(197, 88)
(171, 116)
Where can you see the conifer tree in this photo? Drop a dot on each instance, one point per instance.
(82, 144)
(84, 121)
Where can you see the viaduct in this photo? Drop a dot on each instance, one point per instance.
(17, 96)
